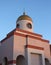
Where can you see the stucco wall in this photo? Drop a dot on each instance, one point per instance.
(23, 25)
(19, 46)
(6, 49)
(39, 43)
(20, 42)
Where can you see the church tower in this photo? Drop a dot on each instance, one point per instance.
(23, 47)
(24, 22)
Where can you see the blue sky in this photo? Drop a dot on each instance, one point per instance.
(38, 10)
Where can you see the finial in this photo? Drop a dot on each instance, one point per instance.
(24, 12)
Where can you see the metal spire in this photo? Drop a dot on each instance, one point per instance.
(24, 12)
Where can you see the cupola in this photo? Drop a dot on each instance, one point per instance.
(24, 22)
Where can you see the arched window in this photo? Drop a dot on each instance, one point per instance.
(5, 61)
(47, 61)
(18, 26)
(20, 60)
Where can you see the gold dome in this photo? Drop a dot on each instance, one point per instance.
(24, 17)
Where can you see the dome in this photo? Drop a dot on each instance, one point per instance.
(24, 17)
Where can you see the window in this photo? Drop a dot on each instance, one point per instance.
(29, 25)
(18, 26)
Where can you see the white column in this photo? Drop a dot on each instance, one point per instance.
(29, 58)
(43, 59)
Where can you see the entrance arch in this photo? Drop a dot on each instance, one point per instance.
(20, 60)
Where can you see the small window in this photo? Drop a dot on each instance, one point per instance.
(29, 25)
(18, 26)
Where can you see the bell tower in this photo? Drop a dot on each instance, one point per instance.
(24, 22)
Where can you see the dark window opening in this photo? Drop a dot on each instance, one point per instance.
(18, 26)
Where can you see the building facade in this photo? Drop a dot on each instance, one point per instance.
(24, 47)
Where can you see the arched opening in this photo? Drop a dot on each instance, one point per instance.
(47, 61)
(5, 61)
(17, 26)
(20, 60)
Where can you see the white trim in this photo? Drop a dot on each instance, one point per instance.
(35, 51)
